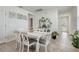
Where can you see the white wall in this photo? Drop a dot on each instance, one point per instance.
(2, 22)
(73, 19)
(78, 18)
(15, 24)
(8, 25)
(52, 14)
(72, 13)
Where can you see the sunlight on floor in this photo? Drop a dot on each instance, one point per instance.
(62, 44)
(64, 39)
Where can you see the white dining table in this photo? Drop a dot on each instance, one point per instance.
(36, 35)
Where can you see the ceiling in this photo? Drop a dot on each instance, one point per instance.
(46, 8)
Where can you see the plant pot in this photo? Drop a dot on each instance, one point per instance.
(54, 37)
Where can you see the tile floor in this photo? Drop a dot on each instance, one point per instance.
(63, 44)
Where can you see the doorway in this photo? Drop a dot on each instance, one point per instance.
(30, 24)
(64, 24)
(64, 29)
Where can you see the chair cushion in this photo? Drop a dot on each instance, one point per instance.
(31, 40)
(42, 41)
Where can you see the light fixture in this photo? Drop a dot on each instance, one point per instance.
(38, 10)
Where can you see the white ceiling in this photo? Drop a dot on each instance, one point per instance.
(46, 8)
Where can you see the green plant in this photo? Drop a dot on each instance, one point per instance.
(75, 39)
(54, 34)
(46, 23)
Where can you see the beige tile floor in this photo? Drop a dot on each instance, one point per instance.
(8, 47)
(62, 44)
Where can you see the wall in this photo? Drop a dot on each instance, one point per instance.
(78, 18)
(2, 22)
(52, 14)
(73, 19)
(8, 25)
(15, 24)
(72, 13)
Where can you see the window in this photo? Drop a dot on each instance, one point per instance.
(12, 15)
(20, 16)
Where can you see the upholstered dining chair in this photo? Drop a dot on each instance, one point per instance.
(25, 40)
(45, 40)
(18, 40)
(22, 40)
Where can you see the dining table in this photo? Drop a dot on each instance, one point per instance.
(36, 35)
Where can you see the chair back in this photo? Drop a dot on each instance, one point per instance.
(24, 37)
(46, 38)
(18, 36)
(21, 36)
(18, 39)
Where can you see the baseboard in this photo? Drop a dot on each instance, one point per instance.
(8, 39)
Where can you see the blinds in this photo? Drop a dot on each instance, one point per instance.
(13, 15)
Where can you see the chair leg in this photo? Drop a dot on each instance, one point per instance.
(22, 48)
(27, 48)
(18, 47)
(45, 48)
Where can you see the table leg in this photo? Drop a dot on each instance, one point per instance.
(37, 45)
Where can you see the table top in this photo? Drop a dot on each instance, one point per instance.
(36, 34)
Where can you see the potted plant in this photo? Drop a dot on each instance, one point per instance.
(75, 39)
(44, 22)
(54, 35)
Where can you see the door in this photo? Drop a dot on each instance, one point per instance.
(64, 24)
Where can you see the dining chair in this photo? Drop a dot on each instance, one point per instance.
(45, 40)
(22, 40)
(18, 39)
(25, 40)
